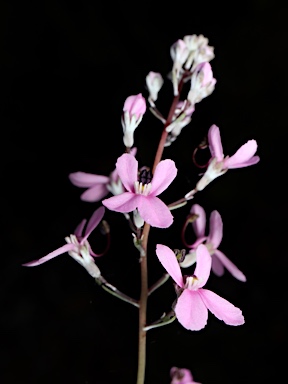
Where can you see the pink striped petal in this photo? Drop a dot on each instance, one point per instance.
(57, 252)
(93, 222)
(244, 156)
(190, 310)
(200, 223)
(252, 161)
(221, 308)
(168, 259)
(215, 229)
(127, 168)
(165, 173)
(95, 193)
(126, 202)
(154, 211)
(86, 180)
(215, 144)
(229, 266)
(203, 264)
(79, 229)
(217, 266)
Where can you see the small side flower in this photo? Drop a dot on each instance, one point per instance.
(78, 246)
(219, 164)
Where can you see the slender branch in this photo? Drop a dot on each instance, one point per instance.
(164, 320)
(177, 204)
(158, 283)
(163, 138)
(115, 292)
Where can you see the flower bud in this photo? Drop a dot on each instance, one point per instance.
(133, 111)
(154, 82)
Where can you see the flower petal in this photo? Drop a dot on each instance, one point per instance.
(127, 168)
(244, 156)
(154, 211)
(215, 145)
(190, 310)
(86, 180)
(165, 173)
(126, 202)
(252, 161)
(200, 223)
(230, 266)
(51, 255)
(221, 308)
(203, 264)
(215, 229)
(93, 222)
(79, 229)
(95, 193)
(169, 261)
(217, 266)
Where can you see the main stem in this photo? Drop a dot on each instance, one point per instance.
(143, 258)
(143, 308)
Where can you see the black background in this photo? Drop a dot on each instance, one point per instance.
(66, 70)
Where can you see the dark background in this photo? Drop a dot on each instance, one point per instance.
(66, 70)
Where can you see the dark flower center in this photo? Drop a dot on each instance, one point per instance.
(145, 176)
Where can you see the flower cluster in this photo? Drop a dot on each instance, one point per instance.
(133, 189)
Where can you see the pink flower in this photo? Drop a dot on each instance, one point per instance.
(133, 111)
(181, 376)
(98, 186)
(212, 242)
(219, 165)
(194, 301)
(78, 246)
(142, 194)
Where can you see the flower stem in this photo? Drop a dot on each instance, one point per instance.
(143, 308)
(143, 256)
(115, 292)
(163, 138)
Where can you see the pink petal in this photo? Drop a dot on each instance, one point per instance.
(243, 157)
(135, 105)
(79, 229)
(165, 173)
(190, 310)
(221, 308)
(230, 266)
(215, 144)
(93, 222)
(252, 161)
(215, 229)
(168, 259)
(217, 266)
(114, 175)
(86, 180)
(154, 211)
(57, 252)
(200, 223)
(185, 374)
(126, 202)
(95, 193)
(203, 264)
(127, 168)
(133, 151)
